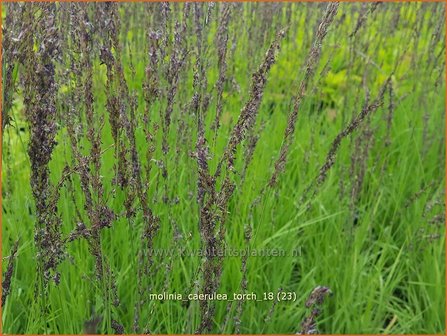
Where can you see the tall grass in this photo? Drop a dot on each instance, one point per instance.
(142, 143)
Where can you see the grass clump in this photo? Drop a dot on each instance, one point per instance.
(223, 168)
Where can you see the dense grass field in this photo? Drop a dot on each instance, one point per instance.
(288, 156)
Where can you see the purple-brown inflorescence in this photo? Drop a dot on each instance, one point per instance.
(312, 61)
(213, 210)
(7, 277)
(313, 302)
(221, 46)
(40, 90)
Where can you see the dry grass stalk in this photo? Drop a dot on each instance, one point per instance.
(7, 277)
(366, 11)
(88, 167)
(206, 193)
(177, 61)
(212, 203)
(359, 164)
(356, 122)
(13, 33)
(248, 115)
(314, 301)
(351, 127)
(312, 61)
(221, 46)
(40, 106)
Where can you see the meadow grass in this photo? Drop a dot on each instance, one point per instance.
(379, 248)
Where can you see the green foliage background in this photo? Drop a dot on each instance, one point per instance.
(385, 264)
